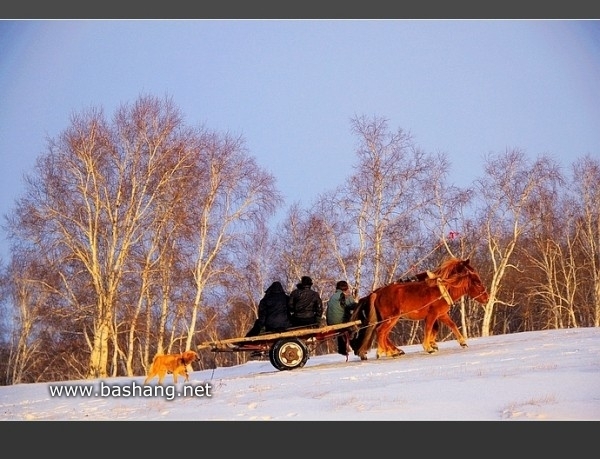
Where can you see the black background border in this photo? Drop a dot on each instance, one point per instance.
(280, 438)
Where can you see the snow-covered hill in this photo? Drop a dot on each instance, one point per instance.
(545, 375)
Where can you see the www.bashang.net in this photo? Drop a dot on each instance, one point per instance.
(131, 389)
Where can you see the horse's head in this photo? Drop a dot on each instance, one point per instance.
(461, 274)
(476, 290)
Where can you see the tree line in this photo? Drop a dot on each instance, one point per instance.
(139, 234)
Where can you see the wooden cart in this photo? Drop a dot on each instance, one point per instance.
(287, 350)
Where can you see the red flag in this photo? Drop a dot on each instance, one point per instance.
(452, 235)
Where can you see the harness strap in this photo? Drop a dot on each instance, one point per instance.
(442, 287)
(444, 292)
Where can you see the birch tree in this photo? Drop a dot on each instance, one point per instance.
(586, 190)
(92, 199)
(388, 197)
(510, 203)
(232, 195)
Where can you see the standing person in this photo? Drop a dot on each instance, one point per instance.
(272, 311)
(339, 309)
(305, 305)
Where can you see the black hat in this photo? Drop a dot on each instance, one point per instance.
(306, 280)
(342, 285)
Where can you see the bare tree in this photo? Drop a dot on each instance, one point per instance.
(28, 301)
(337, 236)
(94, 195)
(586, 189)
(459, 237)
(510, 194)
(232, 195)
(304, 251)
(388, 198)
(553, 275)
(256, 267)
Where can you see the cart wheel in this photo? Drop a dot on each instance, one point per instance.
(272, 359)
(288, 353)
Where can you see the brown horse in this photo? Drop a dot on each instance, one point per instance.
(427, 299)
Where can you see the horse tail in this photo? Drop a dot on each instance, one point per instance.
(367, 314)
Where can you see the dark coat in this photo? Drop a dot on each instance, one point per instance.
(305, 306)
(272, 311)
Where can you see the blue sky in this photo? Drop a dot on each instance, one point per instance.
(464, 88)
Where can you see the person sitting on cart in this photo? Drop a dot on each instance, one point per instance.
(305, 305)
(339, 309)
(272, 311)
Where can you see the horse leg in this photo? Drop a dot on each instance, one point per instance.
(382, 332)
(390, 346)
(450, 323)
(367, 342)
(380, 329)
(434, 333)
(428, 334)
(384, 344)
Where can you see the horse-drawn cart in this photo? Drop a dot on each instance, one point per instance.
(287, 350)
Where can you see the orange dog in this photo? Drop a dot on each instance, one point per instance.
(171, 363)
